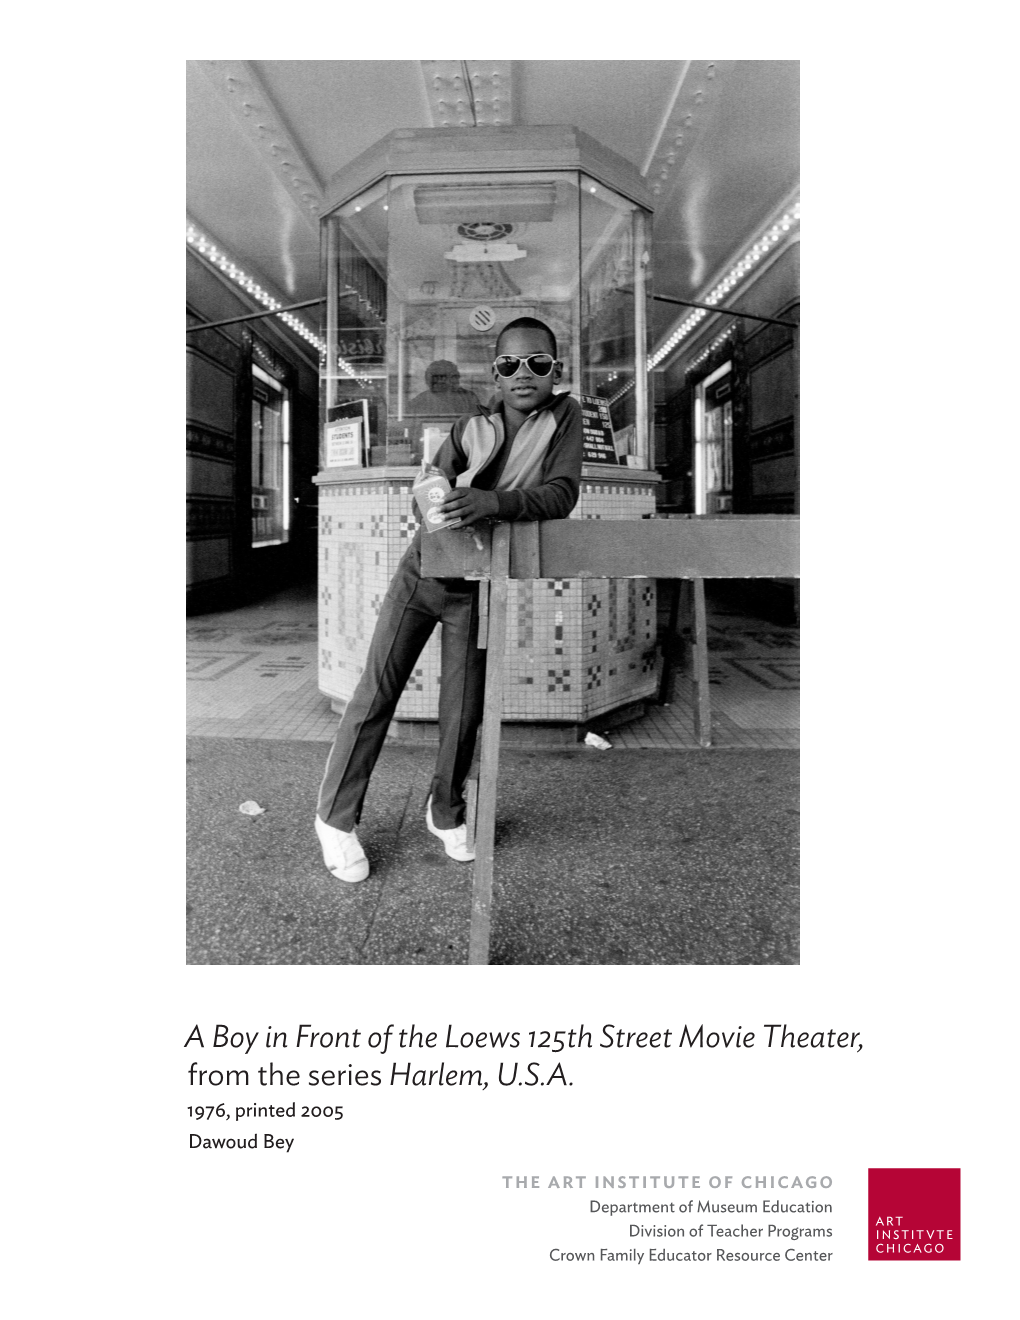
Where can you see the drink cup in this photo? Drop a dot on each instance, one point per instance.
(430, 490)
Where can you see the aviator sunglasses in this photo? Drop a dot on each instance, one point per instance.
(539, 364)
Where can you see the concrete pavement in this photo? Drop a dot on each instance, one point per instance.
(618, 857)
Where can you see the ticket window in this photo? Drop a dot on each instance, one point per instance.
(423, 270)
(270, 461)
(713, 442)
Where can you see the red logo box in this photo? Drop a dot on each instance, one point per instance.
(913, 1214)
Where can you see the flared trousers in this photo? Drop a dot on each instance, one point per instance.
(412, 607)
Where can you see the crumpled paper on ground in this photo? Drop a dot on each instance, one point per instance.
(251, 809)
(593, 740)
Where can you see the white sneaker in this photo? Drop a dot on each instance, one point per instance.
(341, 852)
(454, 841)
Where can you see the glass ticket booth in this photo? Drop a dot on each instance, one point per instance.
(432, 241)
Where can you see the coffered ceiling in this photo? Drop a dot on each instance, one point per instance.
(717, 142)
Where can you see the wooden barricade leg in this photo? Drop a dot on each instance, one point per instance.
(471, 811)
(485, 815)
(702, 700)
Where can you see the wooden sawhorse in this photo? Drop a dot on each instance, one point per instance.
(725, 546)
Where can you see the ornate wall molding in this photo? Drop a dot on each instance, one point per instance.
(682, 125)
(468, 93)
(241, 89)
(776, 236)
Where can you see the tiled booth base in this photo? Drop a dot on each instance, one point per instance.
(577, 650)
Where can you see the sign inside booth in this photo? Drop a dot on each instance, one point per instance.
(347, 433)
(598, 430)
(343, 444)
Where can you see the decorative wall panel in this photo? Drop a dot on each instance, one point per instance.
(208, 560)
(210, 393)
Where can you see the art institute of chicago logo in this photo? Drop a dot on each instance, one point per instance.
(913, 1214)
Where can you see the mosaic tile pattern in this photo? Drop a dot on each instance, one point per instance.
(251, 674)
(598, 631)
(614, 499)
(364, 528)
(553, 628)
(577, 650)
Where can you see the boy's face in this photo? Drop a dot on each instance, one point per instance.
(525, 392)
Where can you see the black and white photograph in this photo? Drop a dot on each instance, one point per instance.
(493, 508)
(493, 918)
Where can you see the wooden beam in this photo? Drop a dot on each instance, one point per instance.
(525, 559)
(702, 698)
(686, 547)
(483, 615)
(485, 818)
(758, 546)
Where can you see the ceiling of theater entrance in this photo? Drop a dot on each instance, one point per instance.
(717, 142)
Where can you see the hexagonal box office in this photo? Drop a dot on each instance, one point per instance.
(431, 242)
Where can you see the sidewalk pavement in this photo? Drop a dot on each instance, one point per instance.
(618, 857)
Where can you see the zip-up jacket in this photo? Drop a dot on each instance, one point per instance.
(559, 480)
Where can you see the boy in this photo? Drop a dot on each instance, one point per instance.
(521, 461)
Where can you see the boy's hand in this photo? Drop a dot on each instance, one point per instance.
(464, 505)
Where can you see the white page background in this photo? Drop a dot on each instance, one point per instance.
(400, 1208)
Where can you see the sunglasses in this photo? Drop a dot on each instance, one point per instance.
(539, 364)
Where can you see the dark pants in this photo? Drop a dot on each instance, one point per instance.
(411, 609)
